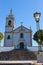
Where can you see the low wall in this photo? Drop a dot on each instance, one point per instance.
(5, 49)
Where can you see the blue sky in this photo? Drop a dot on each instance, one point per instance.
(23, 10)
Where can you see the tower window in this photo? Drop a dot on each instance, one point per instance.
(8, 37)
(21, 35)
(9, 23)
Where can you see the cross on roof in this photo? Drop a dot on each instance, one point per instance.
(21, 23)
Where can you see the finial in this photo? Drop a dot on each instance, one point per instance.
(21, 23)
(11, 11)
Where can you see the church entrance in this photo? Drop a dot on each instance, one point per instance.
(21, 45)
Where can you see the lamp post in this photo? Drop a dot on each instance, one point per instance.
(37, 18)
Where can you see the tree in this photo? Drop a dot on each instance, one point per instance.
(38, 37)
(1, 37)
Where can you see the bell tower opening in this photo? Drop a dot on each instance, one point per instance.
(9, 23)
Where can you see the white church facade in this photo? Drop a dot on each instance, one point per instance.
(20, 37)
(16, 39)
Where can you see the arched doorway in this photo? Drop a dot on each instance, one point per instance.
(21, 45)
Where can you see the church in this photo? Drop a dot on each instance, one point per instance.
(18, 45)
(20, 37)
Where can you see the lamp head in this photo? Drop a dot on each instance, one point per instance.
(37, 16)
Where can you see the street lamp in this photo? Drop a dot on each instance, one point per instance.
(37, 18)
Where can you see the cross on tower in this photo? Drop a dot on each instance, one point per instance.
(21, 23)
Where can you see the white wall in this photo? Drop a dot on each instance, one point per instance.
(8, 42)
(27, 38)
(8, 29)
(5, 49)
(33, 48)
(16, 38)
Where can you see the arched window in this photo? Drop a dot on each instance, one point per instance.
(21, 35)
(8, 37)
(9, 23)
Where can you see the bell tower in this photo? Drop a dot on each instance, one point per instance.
(8, 38)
